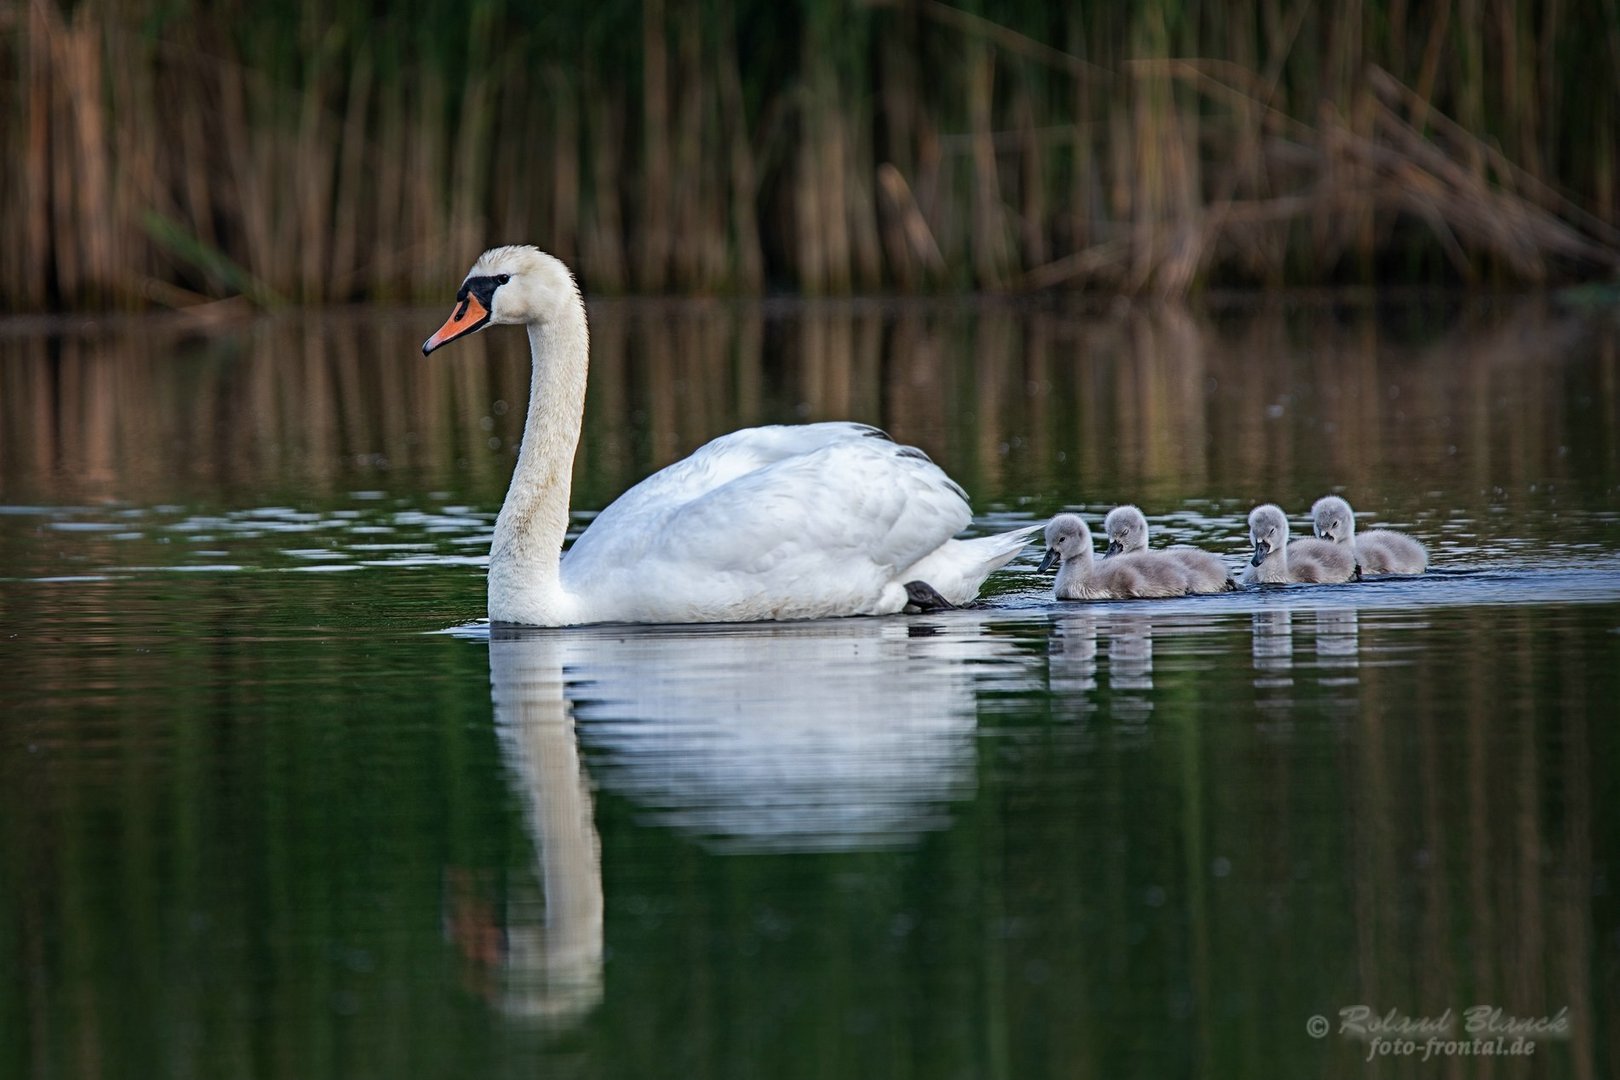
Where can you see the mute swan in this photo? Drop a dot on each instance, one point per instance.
(1125, 577)
(765, 523)
(1378, 551)
(1276, 561)
(1127, 531)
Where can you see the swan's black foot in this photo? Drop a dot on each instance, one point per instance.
(1357, 576)
(921, 597)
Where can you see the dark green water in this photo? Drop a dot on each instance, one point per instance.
(273, 803)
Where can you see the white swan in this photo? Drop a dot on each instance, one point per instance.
(1378, 551)
(1127, 531)
(1276, 561)
(1125, 577)
(765, 523)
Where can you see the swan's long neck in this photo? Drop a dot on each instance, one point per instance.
(525, 557)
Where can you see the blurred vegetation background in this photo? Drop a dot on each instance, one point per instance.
(169, 152)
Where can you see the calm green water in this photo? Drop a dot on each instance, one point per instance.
(273, 801)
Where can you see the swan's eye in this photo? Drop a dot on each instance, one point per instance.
(502, 279)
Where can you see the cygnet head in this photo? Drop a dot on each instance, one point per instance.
(517, 284)
(1127, 530)
(1268, 531)
(1333, 520)
(1067, 537)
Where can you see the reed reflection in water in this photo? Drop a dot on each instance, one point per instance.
(1024, 404)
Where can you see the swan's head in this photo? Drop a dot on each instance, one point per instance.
(1333, 520)
(1268, 531)
(1067, 536)
(518, 284)
(1127, 530)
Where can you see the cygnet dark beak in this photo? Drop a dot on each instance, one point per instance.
(1046, 563)
(1114, 548)
(1261, 550)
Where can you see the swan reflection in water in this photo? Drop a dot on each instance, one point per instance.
(550, 969)
(817, 736)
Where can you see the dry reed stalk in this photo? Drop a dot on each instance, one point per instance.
(429, 144)
(312, 194)
(866, 256)
(139, 186)
(28, 280)
(895, 206)
(91, 189)
(603, 245)
(354, 189)
(743, 194)
(1011, 41)
(928, 188)
(992, 254)
(652, 268)
(565, 169)
(1393, 94)
(831, 185)
(687, 262)
(200, 154)
(251, 204)
(381, 268)
(466, 194)
(810, 261)
(1150, 175)
(917, 241)
(1032, 183)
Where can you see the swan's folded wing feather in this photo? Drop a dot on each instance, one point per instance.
(710, 466)
(818, 528)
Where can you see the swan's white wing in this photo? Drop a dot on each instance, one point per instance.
(817, 533)
(711, 465)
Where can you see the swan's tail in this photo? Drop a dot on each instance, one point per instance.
(958, 569)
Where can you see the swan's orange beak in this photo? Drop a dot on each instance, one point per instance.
(468, 316)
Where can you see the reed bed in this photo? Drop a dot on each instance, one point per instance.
(182, 153)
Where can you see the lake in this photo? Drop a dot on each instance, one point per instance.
(274, 801)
